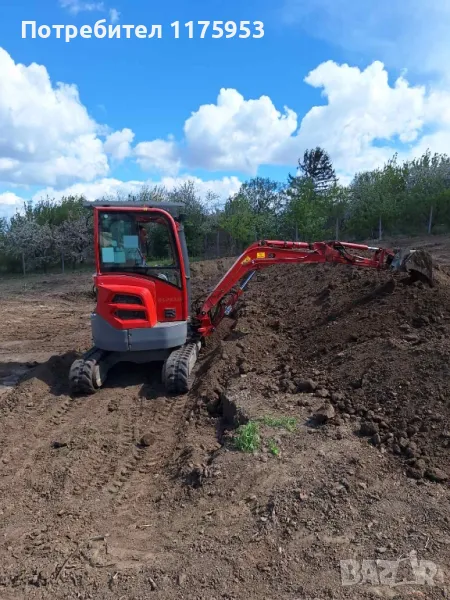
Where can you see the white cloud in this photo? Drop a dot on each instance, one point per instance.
(224, 187)
(47, 137)
(236, 133)
(114, 15)
(362, 107)
(158, 155)
(9, 204)
(46, 134)
(10, 199)
(118, 144)
(412, 34)
(363, 111)
(111, 187)
(362, 119)
(77, 6)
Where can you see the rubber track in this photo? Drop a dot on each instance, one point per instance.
(176, 376)
(81, 373)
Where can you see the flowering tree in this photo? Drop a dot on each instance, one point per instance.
(31, 242)
(74, 239)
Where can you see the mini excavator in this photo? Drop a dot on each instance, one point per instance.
(143, 307)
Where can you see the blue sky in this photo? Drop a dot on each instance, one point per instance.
(362, 80)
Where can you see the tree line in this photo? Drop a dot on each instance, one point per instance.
(408, 198)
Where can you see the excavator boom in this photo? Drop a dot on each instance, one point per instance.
(264, 254)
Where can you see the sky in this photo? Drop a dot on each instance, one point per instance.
(106, 115)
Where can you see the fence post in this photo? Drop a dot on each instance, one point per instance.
(430, 220)
(296, 232)
(337, 228)
(380, 230)
(218, 243)
(62, 261)
(23, 264)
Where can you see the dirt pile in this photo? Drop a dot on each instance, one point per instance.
(374, 346)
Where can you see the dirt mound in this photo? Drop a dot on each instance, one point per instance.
(210, 270)
(374, 345)
(40, 380)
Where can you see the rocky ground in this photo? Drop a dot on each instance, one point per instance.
(318, 431)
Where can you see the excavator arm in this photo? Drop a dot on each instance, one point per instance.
(221, 300)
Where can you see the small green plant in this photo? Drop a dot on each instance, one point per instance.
(273, 448)
(247, 437)
(288, 423)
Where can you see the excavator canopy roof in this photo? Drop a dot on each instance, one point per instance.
(173, 208)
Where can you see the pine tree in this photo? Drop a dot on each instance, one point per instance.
(317, 166)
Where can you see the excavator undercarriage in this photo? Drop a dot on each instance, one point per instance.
(89, 373)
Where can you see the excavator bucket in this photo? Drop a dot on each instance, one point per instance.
(417, 263)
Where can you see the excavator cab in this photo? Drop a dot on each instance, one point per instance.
(144, 244)
(142, 284)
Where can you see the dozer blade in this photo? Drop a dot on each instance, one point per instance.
(417, 263)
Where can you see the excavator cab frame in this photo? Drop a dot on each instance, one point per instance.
(169, 215)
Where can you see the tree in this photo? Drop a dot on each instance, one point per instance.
(3, 230)
(306, 209)
(336, 205)
(261, 199)
(157, 193)
(427, 182)
(238, 219)
(406, 197)
(74, 239)
(31, 242)
(47, 211)
(196, 222)
(263, 195)
(317, 166)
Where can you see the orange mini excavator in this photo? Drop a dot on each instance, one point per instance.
(143, 311)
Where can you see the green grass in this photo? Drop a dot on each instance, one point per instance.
(247, 437)
(288, 423)
(273, 448)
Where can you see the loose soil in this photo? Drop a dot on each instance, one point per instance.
(128, 494)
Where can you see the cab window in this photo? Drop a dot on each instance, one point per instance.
(138, 243)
